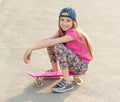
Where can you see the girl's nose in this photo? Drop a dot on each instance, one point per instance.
(64, 23)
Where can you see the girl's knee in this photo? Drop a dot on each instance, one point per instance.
(58, 47)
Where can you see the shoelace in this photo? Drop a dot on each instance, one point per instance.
(62, 83)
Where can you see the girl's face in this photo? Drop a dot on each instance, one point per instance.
(65, 22)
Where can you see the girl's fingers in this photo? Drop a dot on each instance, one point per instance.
(27, 56)
(25, 59)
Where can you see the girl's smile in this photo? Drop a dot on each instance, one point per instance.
(65, 22)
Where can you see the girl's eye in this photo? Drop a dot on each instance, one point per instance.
(68, 20)
(61, 19)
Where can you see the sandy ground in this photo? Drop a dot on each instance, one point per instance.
(24, 22)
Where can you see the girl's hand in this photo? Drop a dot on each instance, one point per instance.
(27, 56)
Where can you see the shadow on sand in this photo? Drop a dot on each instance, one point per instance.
(42, 94)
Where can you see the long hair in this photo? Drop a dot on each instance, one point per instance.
(80, 33)
(62, 33)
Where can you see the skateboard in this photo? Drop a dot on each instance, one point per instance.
(42, 75)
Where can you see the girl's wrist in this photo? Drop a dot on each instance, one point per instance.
(30, 49)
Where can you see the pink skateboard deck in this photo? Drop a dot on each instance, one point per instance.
(40, 77)
(49, 74)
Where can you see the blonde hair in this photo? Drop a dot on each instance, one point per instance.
(80, 33)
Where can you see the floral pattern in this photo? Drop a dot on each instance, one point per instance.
(67, 59)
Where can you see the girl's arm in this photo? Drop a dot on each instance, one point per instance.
(53, 40)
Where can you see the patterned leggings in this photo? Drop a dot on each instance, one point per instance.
(66, 59)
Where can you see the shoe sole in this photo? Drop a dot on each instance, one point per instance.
(60, 91)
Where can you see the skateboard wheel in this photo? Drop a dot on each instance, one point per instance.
(77, 80)
(39, 82)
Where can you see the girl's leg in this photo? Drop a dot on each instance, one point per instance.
(52, 57)
(65, 73)
(69, 61)
(60, 51)
(65, 58)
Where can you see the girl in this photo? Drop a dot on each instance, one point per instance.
(69, 46)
